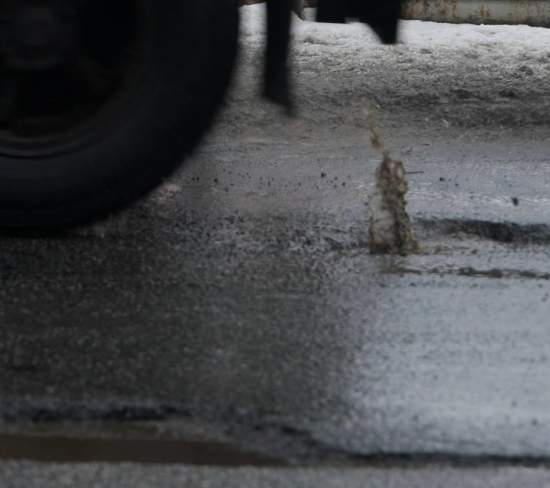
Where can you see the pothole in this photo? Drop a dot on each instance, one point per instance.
(471, 272)
(501, 232)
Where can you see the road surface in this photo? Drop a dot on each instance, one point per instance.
(236, 316)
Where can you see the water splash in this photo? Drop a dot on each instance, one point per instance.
(390, 229)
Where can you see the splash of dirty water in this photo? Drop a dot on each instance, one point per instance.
(390, 229)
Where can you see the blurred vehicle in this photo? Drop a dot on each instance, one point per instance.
(101, 100)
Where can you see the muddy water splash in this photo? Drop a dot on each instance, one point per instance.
(390, 230)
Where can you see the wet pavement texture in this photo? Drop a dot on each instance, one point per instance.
(241, 296)
(27, 475)
(273, 323)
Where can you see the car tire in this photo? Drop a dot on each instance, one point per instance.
(184, 65)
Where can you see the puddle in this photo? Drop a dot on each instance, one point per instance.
(57, 449)
(61, 450)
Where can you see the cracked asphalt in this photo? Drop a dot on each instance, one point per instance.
(239, 304)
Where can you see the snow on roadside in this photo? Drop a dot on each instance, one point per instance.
(459, 75)
(519, 38)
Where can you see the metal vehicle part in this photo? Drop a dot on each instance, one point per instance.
(530, 12)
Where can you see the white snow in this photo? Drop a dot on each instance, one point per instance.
(355, 36)
(438, 72)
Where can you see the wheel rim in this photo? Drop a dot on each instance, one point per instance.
(63, 64)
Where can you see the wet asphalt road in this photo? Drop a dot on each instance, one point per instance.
(241, 297)
(26, 475)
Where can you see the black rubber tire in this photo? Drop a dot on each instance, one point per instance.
(186, 69)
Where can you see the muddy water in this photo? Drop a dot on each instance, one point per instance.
(59, 449)
(390, 229)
